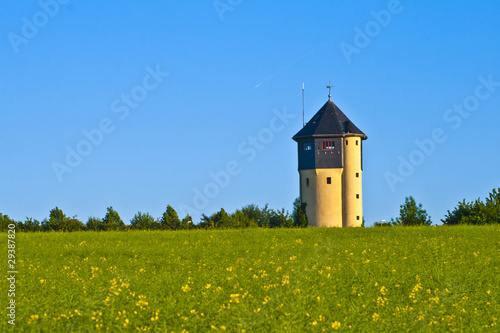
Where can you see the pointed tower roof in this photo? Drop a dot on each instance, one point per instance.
(329, 121)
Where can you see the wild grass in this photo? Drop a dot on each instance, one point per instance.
(258, 280)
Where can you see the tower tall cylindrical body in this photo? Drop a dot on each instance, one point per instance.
(323, 198)
(352, 191)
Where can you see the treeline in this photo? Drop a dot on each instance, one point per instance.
(250, 216)
(470, 213)
(476, 212)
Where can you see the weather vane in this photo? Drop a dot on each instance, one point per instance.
(329, 86)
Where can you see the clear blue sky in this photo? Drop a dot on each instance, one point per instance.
(401, 71)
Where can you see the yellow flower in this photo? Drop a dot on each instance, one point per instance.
(336, 325)
(186, 288)
(376, 317)
(286, 280)
(208, 286)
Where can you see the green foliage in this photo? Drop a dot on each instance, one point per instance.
(58, 221)
(299, 214)
(412, 215)
(170, 220)
(242, 220)
(260, 216)
(219, 220)
(280, 219)
(143, 221)
(5, 220)
(96, 224)
(112, 220)
(477, 212)
(30, 224)
(187, 223)
(382, 224)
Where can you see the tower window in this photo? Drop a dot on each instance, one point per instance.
(328, 180)
(357, 217)
(307, 181)
(306, 146)
(356, 142)
(357, 196)
(346, 142)
(328, 145)
(357, 174)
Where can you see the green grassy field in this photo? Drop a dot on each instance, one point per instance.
(258, 280)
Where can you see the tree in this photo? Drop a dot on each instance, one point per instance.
(30, 224)
(112, 220)
(143, 221)
(260, 216)
(5, 220)
(74, 224)
(242, 220)
(477, 212)
(221, 219)
(410, 214)
(187, 223)
(96, 224)
(58, 221)
(299, 214)
(170, 219)
(280, 219)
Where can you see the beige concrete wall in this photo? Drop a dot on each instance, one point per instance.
(324, 201)
(352, 205)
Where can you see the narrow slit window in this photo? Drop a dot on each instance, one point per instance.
(356, 142)
(357, 174)
(307, 181)
(346, 142)
(357, 196)
(328, 145)
(357, 217)
(328, 180)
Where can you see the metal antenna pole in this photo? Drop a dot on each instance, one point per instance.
(303, 112)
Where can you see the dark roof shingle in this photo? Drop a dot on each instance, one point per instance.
(329, 121)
